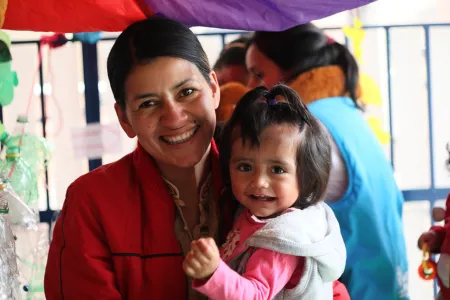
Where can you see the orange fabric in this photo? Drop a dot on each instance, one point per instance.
(3, 7)
(319, 83)
(230, 94)
(72, 15)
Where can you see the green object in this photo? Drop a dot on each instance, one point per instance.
(23, 180)
(8, 81)
(26, 156)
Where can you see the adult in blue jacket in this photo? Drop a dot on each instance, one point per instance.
(362, 190)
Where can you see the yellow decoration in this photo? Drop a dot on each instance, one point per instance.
(356, 34)
(383, 136)
(370, 93)
(3, 6)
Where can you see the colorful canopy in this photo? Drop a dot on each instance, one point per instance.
(115, 15)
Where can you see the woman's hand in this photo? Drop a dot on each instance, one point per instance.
(203, 259)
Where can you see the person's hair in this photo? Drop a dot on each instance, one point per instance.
(146, 40)
(255, 112)
(233, 54)
(306, 47)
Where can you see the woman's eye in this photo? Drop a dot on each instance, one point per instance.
(187, 92)
(278, 170)
(244, 168)
(148, 103)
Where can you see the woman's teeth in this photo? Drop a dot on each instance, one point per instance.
(180, 138)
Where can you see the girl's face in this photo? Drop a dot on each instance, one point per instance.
(232, 73)
(263, 71)
(264, 179)
(170, 107)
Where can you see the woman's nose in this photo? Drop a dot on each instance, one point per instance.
(173, 115)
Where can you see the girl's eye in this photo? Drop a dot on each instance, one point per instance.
(148, 103)
(278, 170)
(244, 167)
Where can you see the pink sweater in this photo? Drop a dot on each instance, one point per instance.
(267, 272)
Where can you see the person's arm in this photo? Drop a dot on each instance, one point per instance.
(267, 273)
(79, 263)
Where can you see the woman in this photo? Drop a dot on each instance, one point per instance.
(125, 227)
(362, 189)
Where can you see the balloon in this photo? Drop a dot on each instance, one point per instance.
(88, 37)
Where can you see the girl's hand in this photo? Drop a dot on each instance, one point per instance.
(429, 237)
(203, 259)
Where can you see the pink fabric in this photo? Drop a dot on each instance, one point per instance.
(267, 272)
(340, 291)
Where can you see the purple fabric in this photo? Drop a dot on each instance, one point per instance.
(264, 15)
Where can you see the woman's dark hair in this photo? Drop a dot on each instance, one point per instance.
(255, 112)
(233, 53)
(306, 47)
(146, 40)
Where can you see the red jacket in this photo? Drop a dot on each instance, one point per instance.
(115, 237)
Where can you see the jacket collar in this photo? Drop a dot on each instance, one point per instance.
(320, 83)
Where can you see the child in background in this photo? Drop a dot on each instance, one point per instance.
(286, 243)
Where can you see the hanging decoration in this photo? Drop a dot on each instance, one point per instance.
(370, 92)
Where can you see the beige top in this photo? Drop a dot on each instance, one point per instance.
(207, 226)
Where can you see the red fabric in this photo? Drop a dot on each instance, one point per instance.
(115, 237)
(73, 15)
(340, 291)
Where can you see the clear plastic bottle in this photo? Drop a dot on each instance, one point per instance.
(9, 273)
(20, 175)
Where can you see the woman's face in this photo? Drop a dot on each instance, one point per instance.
(263, 71)
(170, 107)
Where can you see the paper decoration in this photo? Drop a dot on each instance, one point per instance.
(356, 34)
(95, 140)
(371, 95)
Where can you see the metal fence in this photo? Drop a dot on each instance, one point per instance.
(92, 106)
